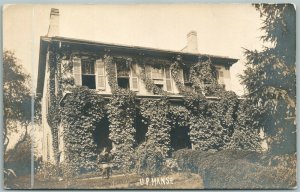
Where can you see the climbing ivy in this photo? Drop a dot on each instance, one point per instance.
(155, 111)
(53, 109)
(211, 123)
(82, 110)
(121, 113)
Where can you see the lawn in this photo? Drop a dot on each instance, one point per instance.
(179, 181)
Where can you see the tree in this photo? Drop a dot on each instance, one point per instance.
(16, 96)
(270, 76)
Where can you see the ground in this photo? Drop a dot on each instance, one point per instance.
(182, 180)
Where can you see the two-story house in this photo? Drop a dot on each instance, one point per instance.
(84, 62)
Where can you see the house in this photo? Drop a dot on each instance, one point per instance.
(63, 60)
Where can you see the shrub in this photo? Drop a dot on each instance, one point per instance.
(19, 158)
(48, 171)
(233, 169)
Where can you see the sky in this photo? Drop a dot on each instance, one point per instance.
(223, 29)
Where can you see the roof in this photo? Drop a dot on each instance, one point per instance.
(146, 51)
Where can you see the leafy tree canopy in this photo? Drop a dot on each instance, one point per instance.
(270, 76)
(16, 94)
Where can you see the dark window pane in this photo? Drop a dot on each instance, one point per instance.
(123, 83)
(89, 81)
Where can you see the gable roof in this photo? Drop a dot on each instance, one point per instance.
(146, 51)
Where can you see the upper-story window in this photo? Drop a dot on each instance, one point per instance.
(89, 73)
(123, 72)
(162, 78)
(127, 74)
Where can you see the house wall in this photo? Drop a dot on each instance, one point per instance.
(47, 147)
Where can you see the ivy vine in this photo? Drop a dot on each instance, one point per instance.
(156, 114)
(82, 110)
(121, 113)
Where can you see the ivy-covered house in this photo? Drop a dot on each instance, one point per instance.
(99, 95)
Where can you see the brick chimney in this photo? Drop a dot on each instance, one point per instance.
(54, 23)
(192, 42)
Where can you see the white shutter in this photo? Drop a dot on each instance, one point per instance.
(148, 71)
(168, 79)
(77, 71)
(100, 74)
(221, 77)
(134, 78)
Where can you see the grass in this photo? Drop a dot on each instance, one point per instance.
(132, 181)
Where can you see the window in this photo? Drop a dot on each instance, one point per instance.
(123, 72)
(90, 73)
(162, 78)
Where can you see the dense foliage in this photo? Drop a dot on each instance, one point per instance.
(270, 76)
(82, 110)
(16, 96)
(149, 159)
(156, 115)
(121, 114)
(239, 169)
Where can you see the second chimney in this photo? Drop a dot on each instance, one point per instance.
(54, 23)
(192, 42)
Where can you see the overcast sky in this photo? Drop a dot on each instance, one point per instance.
(223, 29)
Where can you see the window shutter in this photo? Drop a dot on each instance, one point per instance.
(77, 71)
(134, 78)
(148, 71)
(221, 77)
(168, 79)
(180, 76)
(100, 74)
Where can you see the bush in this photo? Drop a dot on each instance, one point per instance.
(19, 158)
(149, 159)
(230, 169)
(48, 171)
